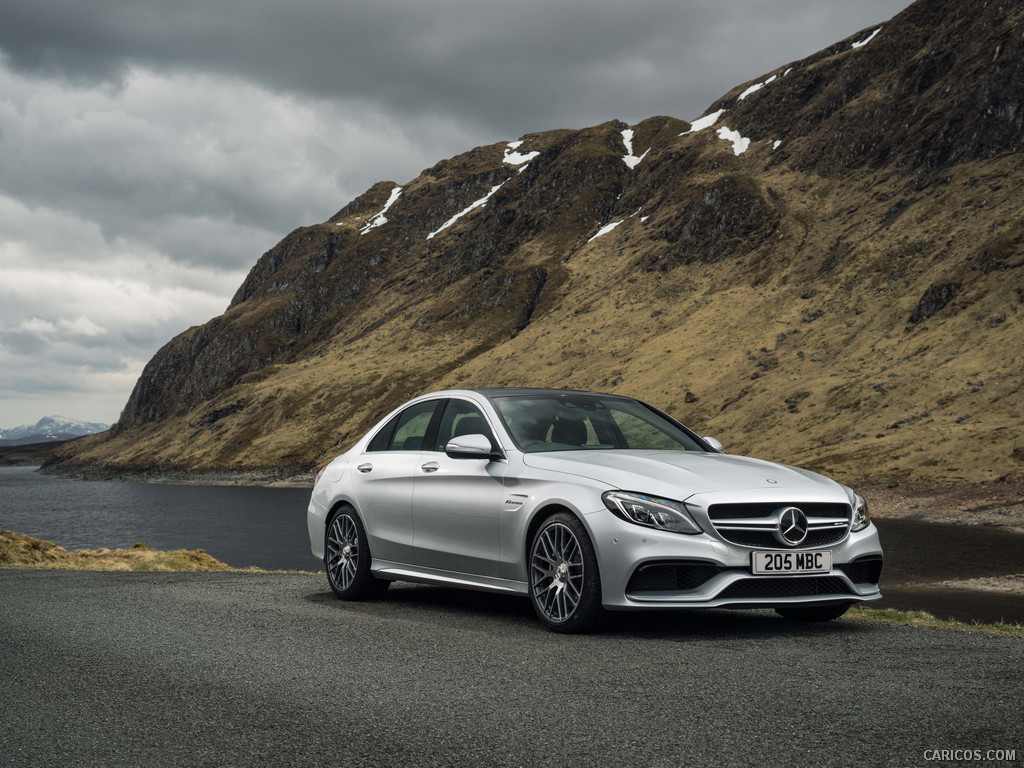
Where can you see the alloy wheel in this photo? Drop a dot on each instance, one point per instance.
(343, 551)
(557, 572)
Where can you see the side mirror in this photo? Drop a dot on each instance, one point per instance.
(714, 444)
(469, 447)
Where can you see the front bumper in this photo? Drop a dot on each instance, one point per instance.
(643, 568)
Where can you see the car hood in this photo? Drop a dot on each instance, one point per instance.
(681, 474)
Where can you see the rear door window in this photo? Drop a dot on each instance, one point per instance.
(407, 431)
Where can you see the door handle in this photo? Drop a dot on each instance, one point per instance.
(431, 466)
(364, 468)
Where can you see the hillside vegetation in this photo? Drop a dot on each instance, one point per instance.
(846, 293)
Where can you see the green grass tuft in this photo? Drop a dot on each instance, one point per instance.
(923, 619)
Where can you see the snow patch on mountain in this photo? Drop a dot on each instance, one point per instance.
(704, 122)
(629, 158)
(740, 144)
(380, 219)
(512, 157)
(756, 87)
(612, 225)
(475, 204)
(605, 229)
(866, 40)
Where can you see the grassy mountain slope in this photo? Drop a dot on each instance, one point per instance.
(846, 294)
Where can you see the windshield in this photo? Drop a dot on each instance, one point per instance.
(571, 422)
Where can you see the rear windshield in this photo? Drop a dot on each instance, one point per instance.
(558, 422)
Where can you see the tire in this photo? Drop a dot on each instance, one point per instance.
(347, 558)
(813, 612)
(565, 584)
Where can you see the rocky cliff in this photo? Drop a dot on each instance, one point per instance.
(824, 269)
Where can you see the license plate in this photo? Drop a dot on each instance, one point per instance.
(816, 561)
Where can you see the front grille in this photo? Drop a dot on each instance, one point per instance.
(810, 586)
(765, 509)
(767, 540)
(671, 577)
(864, 570)
(759, 523)
(759, 539)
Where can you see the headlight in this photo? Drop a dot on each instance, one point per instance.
(663, 514)
(860, 510)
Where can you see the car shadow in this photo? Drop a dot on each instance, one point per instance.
(447, 607)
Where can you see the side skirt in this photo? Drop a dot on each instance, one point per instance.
(385, 569)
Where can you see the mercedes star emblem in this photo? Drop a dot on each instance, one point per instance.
(792, 526)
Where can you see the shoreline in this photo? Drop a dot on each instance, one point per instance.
(256, 478)
(997, 504)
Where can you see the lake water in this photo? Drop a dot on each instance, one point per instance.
(264, 527)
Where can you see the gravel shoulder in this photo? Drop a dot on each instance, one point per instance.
(126, 669)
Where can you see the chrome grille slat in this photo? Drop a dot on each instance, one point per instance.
(754, 525)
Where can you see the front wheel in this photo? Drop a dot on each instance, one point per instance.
(812, 612)
(347, 558)
(565, 585)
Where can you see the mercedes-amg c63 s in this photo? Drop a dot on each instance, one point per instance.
(585, 502)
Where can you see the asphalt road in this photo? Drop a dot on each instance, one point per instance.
(235, 669)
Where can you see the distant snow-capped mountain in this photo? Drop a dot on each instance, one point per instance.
(53, 428)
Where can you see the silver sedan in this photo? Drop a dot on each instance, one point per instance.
(584, 502)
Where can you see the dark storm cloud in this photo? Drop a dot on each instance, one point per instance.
(513, 67)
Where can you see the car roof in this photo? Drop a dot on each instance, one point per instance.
(523, 391)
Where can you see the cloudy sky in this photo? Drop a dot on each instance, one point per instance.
(152, 150)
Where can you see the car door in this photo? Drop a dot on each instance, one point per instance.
(457, 502)
(384, 478)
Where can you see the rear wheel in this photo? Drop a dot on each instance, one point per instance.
(347, 558)
(812, 612)
(565, 585)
